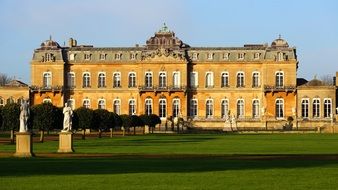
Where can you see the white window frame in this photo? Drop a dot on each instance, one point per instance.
(162, 79)
(71, 79)
(117, 79)
(209, 113)
(257, 55)
(117, 107)
(193, 113)
(146, 78)
(279, 115)
(209, 82)
(176, 107)
(132, 56)
(280, 56)
(103, 56)
(131, 83)
(161, 107)
(132, 106)
(101, 81)
(240, 108)
(240, 80)
(118, 56)
(327, 114)
(87, 56)
(278, 78)
(86, 103)
(254, 85)
(225, 79)
(176, 79)
(224, 108)
(99, 104)
(255, 108)
(226, 56)
(148, 102)
(194, 80)
(47, 100)
(195, 56)
(305, 107)
(241, 56)
(48, 82)
(84, 81)
(72, 56)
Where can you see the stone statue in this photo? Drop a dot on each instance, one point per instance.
(67, 118)
(24, 115)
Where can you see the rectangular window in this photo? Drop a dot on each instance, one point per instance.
(305, 108)
(225, 79)
(176, 79)
(132, 80)
(193, 108)
(193, 79)
(209, 80)
(327, 108)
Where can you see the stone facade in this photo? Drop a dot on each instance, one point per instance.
(256, 84)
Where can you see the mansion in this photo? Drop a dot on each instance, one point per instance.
(256, 84)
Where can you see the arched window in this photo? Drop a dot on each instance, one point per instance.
(209, 80)
(132, 107)
(86, 80)
(117, 106)
(240, 108)
(71, 80)
(305, 108)
(176, 107)
(327, 107)
(316, 107)
(255, 109)
(176, 79)
(279, 108)
(209, 108)
(20, 101)
(132, 79)
(193, 108)
(225, 79)
(86, 103)
(46, 100)
(117, 80)
(102, 80)
(47, 79)
(162, 80)
(240, 79)
(10, 100)
(224, 108)
(279, 79)
(163, 108)
(101, 104)
(148, 80)
(148, 106)
(255, 79)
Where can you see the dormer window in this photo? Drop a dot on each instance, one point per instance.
(195, 56)
(210, 56)
(72, 57)
(48, 57)
(226, 56)
(257, 55)
(132, 56)
(241, 56)
(87, 56)
(103, 56)
(118, 56)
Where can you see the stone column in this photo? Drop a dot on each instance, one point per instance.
(66, 142)
(24, 144)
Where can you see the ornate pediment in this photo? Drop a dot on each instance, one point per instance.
(163, 54)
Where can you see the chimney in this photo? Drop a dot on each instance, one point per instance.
(72, 42)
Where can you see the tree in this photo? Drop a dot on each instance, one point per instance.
(136, 122)
(102, 120)
(46, 117)
(4, 79)
(327, 79)
(83, 118)
(10, 116)
(126, 122)
(151, 120)
(116, 122)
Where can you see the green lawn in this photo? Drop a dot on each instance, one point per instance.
(173, 168)
(200, 144)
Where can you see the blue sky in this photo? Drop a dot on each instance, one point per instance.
(309, 25)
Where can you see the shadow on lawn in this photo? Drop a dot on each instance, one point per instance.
(78, 166)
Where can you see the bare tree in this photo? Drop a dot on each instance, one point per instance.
(327, 79)
(4, 79)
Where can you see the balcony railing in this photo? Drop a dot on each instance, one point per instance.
(46, 88)
(268, 88)
(161, 88)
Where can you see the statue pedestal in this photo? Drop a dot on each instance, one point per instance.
(65, 142)
(24, 144)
